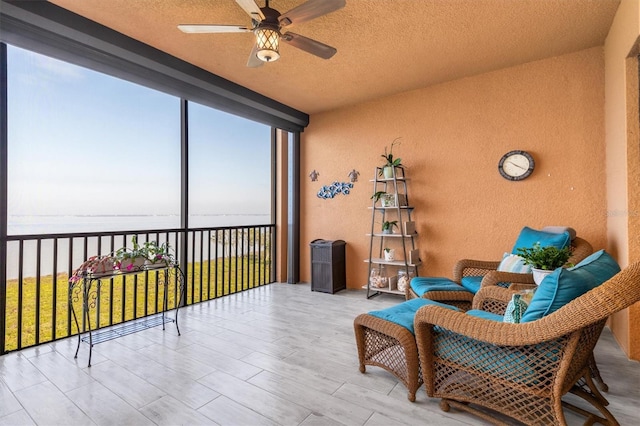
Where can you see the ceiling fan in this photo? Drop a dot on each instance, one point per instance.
(267, 25)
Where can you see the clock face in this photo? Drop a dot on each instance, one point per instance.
(516, 165)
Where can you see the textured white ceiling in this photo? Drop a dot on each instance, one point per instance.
(384, 47)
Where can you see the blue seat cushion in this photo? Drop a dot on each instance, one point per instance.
(528, 237)
(420, 285)
(404, 313)
(471, 284)
(508, 363)
(564, 285)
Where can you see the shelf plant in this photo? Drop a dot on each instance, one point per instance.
(390, 161)
(387, 226)
(389, 254)
(377, 195)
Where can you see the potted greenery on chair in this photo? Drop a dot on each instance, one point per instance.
(544, 260)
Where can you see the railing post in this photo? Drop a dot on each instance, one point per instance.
(184, 195)
(3, 194)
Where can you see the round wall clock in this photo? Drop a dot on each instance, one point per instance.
(516, 165)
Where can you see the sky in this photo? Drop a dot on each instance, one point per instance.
(85, 143)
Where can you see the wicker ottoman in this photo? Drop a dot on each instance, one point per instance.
(386, 339)
(443, 290)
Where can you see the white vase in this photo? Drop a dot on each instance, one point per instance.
(388, 172)
(539, 274)
(389, 255)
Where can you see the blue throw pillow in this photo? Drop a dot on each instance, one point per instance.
(528, 237)
(404, 313)
(514, 263)
(564, 285)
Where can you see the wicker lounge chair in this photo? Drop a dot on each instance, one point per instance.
(520, 370)
(452, 292)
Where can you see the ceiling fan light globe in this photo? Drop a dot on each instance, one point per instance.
(267, 55)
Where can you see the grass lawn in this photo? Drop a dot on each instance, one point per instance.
(120, 299)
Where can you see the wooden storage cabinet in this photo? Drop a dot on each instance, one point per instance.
(328, 266)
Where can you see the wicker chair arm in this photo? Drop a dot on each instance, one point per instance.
(580, 249)
(469, 267)
(489, 294)
(618, 293)
(493, 278)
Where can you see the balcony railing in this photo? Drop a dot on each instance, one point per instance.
(214, 261)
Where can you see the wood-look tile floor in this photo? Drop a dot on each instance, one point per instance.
(277, 355)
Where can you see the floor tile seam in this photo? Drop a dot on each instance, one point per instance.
(311, 373)
(161, 391)
(145, 407)
(22, 407)
(315, 409)
(249, 407)
(121, 399)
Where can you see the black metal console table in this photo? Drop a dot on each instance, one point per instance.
(88, 287)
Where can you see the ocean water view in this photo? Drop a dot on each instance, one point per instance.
(53, 224)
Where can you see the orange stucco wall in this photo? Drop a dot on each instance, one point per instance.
(623, 158)
(453, 136)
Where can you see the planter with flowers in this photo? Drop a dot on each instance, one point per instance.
(158, 255)
(132, 258)
(93, 265)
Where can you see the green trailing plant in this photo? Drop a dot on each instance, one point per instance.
(159, 253)
(546, 258)
(136, 250)
(151, 251)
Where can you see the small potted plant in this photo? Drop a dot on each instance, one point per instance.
(389, 254)
(131, 259)
(544, 260)
(387, 226)
(390, 162)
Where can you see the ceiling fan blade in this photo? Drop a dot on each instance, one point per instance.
(310, 10)
(203, 29)
(254, 61)
(252, 9)
(308, 45)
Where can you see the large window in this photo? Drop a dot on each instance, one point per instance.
(88, 152)
(229, 169)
